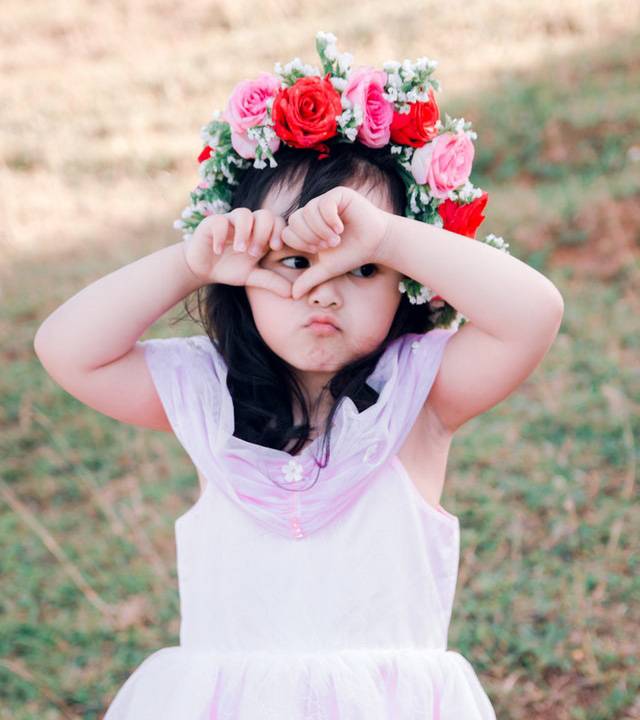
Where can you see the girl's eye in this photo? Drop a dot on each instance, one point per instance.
(372, 268)
(293, 257)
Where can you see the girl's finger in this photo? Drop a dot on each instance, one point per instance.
(329, 212)
(262, 230)
(275, 241)
(242, 221)
(311, 277)
(305, 232)
(317, 223)
(269, 280)
(218, 229)
(290, 238)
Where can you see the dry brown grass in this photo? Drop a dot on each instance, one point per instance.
(103, 102)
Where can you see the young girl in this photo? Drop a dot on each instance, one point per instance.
(317, 570)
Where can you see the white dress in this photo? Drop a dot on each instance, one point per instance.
(306, 599)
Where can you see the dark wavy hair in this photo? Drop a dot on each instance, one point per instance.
(261, 383)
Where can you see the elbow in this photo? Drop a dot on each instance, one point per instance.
(552, 301)
(553, 312)
(39, 342)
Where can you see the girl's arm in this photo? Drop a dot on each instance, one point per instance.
(89, 344)
(514, 314)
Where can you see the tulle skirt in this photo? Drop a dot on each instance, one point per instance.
(177, 683)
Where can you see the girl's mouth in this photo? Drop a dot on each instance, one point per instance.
(322, 328)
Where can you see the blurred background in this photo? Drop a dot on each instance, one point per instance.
(101, 104)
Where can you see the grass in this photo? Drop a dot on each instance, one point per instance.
(544, 484)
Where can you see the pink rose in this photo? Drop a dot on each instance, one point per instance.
(444, 163)
(365, 88)
(246, 108)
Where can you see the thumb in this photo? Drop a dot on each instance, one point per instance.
(259, 277)
(311, 277)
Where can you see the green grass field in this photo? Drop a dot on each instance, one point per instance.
(546, 606)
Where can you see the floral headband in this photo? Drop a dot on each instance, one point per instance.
(303, 107)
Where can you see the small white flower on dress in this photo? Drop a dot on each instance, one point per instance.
(292, 471)
(372, 453)
(415, 345)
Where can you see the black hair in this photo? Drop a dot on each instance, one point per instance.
(261, 384)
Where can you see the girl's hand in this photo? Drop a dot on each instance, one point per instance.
(215, 252)
(344, 212)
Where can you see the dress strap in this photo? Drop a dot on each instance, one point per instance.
(187, 375)
(419, 359)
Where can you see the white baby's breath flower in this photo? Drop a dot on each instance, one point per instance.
(344, 62)
(295, 64)
(391, 95)
(394, 79)
(339, 83)
(331, 52)
(421, 298)
(326, 36)
(351, 133)
(497, 241)
(344, 118)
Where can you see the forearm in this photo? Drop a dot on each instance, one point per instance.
(104, 320)
(497, 292)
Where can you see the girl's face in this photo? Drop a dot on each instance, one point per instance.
(362, 302)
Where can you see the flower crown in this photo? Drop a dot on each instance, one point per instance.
(303, 107)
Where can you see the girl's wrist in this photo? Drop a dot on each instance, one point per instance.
(385, 247)
(193, 281)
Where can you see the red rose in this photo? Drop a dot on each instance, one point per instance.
(206, 153)
(305, 113)
(463, 219)
(416, 127)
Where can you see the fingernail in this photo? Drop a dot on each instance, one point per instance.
(334, 241)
